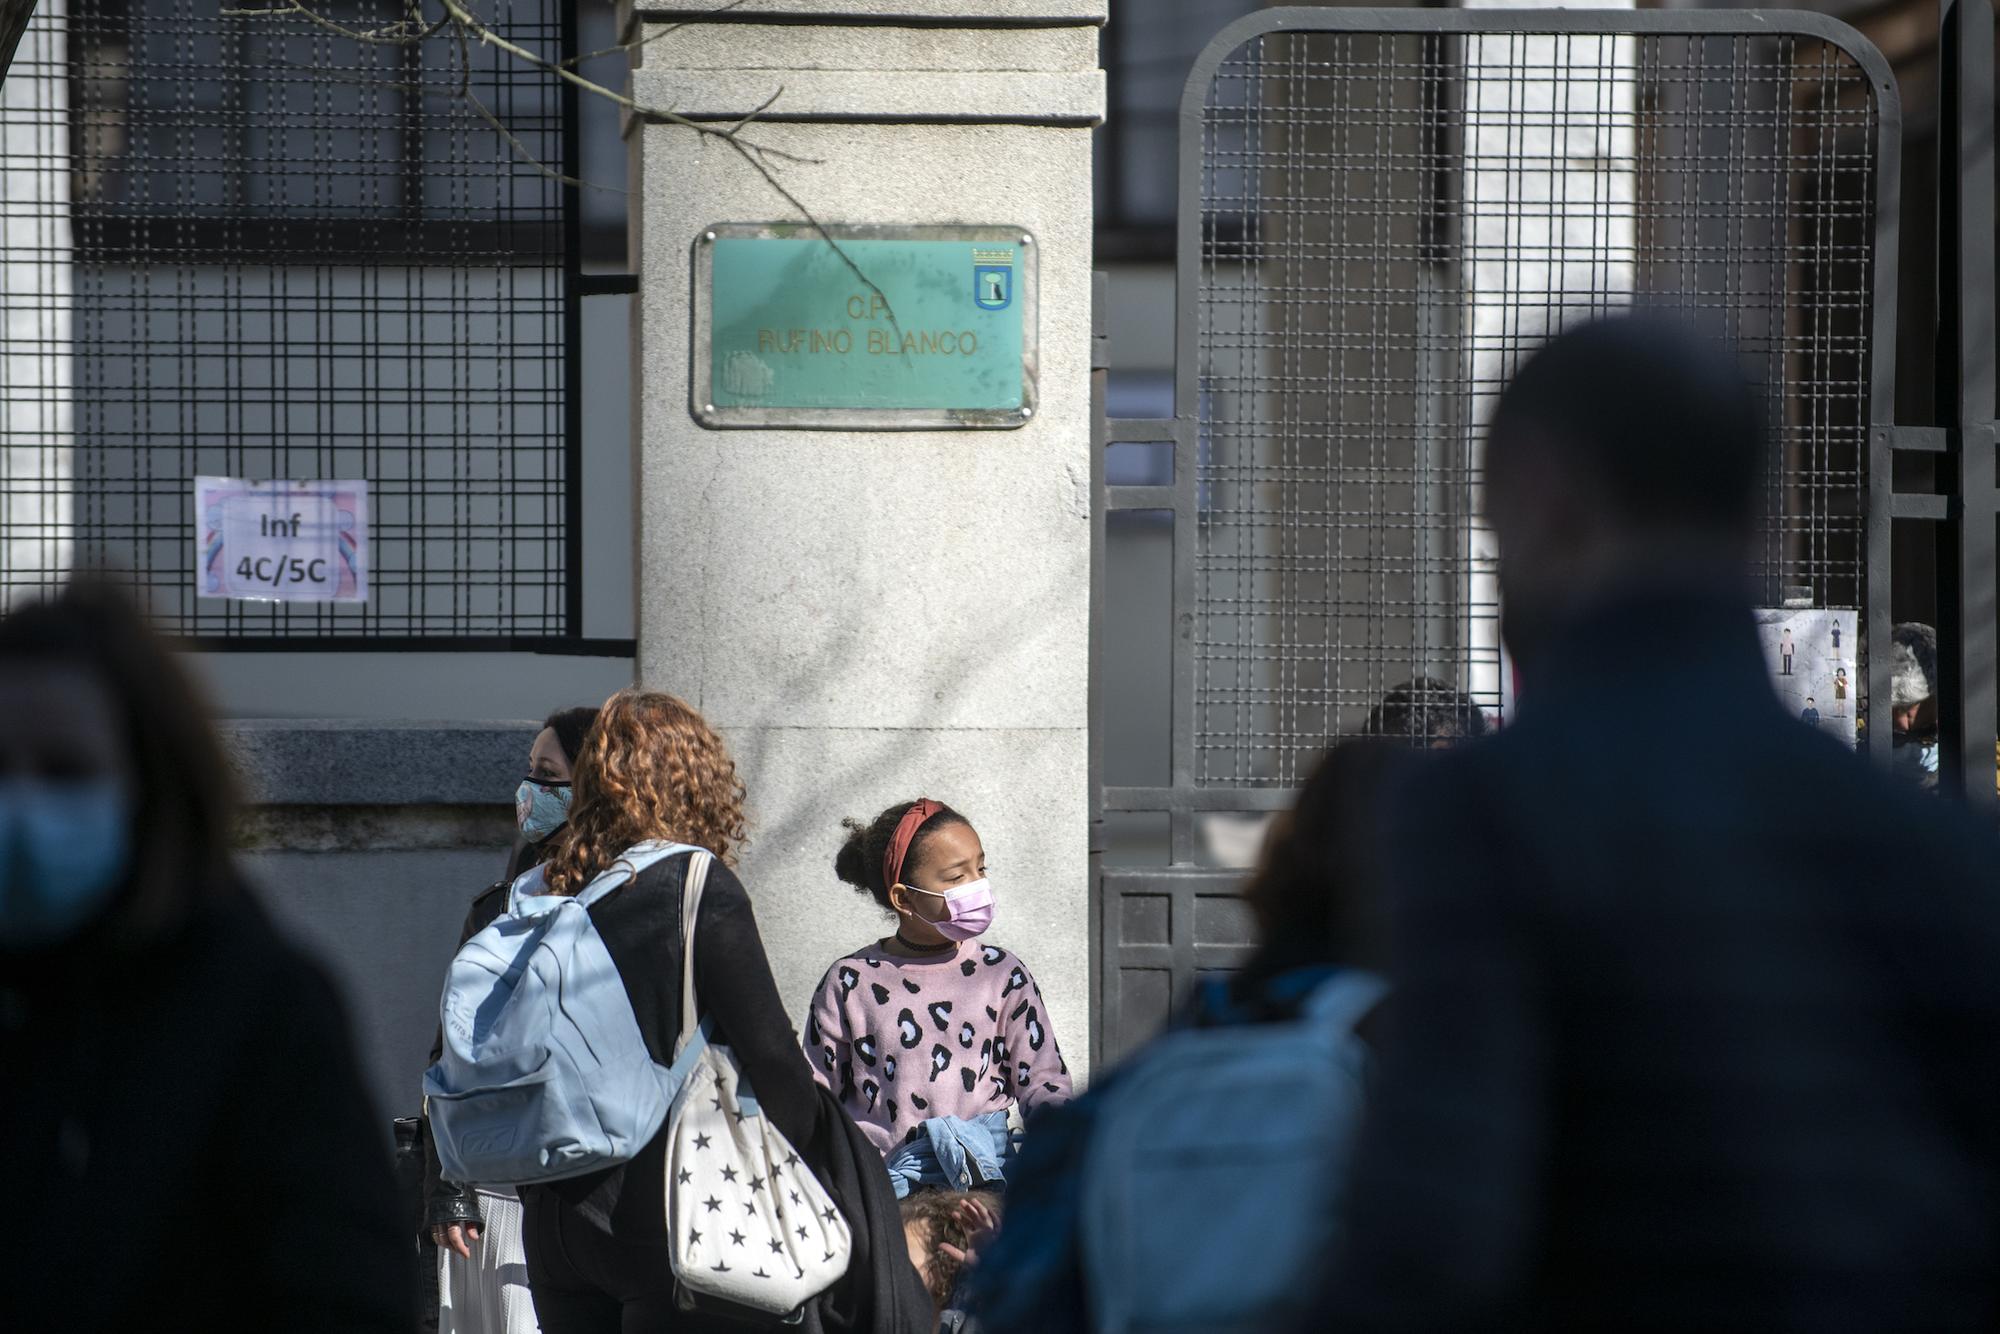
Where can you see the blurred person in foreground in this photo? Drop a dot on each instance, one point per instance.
(1694, 1022)
(186, 1138)
(1195, 1185)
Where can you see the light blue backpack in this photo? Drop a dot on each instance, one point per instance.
(545, 1074)
(1215, 1166)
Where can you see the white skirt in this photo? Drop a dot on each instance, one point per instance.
(488, 1294)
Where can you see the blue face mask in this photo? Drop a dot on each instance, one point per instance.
(540, 808)
(63, 854)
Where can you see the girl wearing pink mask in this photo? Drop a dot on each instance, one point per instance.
(930, 1020)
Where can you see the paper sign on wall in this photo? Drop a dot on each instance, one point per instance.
(281, 541)
(1812, 654)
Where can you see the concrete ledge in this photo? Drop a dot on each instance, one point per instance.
(1015, 97)
(876, 47)
(357, 828)
(341, 762)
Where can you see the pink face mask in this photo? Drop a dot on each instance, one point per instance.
(969, 910)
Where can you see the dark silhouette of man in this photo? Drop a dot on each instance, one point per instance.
(1694, 1025)
(1809, 715)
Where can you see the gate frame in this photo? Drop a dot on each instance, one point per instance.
(1183, 798)
(1968, 510)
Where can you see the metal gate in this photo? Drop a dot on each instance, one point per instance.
(1381, 213)
(282, 244)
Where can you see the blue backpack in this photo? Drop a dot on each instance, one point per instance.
(1214, 1169)
(545, 1074)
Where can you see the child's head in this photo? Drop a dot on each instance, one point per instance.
(923, 862)
(932, 1220)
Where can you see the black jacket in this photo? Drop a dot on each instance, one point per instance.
(882, 1292)
(1695, 1018)
(187, 1142)
(640, 926)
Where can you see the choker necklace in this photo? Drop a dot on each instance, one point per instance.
(909, 944)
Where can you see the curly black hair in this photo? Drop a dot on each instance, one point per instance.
(859, 861)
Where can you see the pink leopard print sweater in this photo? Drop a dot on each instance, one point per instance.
(958, 1034)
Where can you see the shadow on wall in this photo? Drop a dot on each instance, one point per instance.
(386, 924)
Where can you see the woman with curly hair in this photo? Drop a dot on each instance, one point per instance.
(598, 1249)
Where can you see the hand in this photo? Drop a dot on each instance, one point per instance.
(980, 1223)
(456, 1238)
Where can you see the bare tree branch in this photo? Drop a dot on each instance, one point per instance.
(759, 110)
(466, 27)
(467, 22)
(399, 33)
(479, 109)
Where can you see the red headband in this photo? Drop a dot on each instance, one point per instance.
(906, 829)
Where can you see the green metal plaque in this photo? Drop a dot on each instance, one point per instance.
(880, 328)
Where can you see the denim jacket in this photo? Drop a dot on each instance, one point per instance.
(953, 1154)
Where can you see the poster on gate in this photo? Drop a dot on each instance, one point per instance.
(281, 541)
(1812, 656)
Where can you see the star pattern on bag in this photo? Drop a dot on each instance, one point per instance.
(782, 1212)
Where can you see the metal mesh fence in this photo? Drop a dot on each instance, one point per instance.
(253, 246)
(1392, 221)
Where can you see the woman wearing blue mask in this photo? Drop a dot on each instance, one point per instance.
(541, 802)
(482, 1284)
(188, 1138)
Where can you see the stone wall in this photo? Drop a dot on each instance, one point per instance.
(368, 840)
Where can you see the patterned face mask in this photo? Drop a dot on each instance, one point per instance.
(541, 807)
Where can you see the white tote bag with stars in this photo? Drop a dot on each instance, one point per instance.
(750, 1223)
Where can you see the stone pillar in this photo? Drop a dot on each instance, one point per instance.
(875, 615)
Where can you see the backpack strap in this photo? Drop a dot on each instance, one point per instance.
(526, 885)
(630, 864)
(1345, 999)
